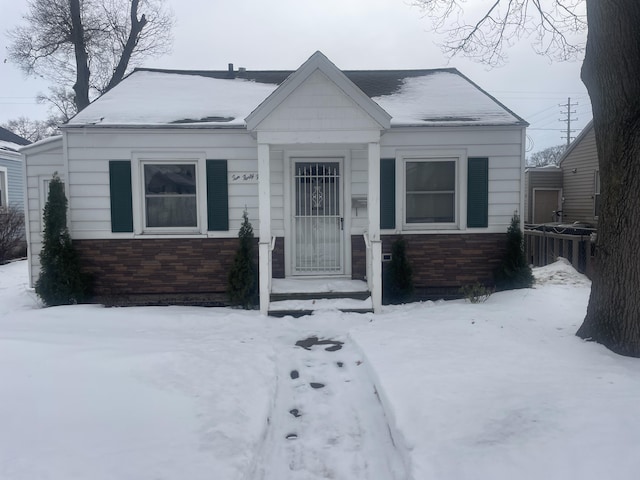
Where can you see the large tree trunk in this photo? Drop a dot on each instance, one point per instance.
(132, 42)
(611, 73)
(81, 87)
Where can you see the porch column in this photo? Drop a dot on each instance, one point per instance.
(373, 207)
(264, 212)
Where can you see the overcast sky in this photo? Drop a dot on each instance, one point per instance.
(354, 34)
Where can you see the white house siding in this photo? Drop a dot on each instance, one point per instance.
(359, 189)
(318, 105)
(15, 192)
(41, 162)
(278, 177)
(502, 145)
(89, 155)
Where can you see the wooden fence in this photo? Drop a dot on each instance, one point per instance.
(543, 247)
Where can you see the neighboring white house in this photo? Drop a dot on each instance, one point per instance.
(11, 175)
(331, 166)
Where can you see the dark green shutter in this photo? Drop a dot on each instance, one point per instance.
(478, 193)
(388, 193)
(217, 195)
(120, 194)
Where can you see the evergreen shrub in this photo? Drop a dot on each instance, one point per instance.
(242, 286)
(61, 281)
(514, 271)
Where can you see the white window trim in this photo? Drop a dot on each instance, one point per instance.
(138, 160)
(4, 187)
(459, 156)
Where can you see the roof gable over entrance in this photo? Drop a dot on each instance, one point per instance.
(318, 96)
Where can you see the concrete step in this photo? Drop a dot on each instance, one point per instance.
(307, 306)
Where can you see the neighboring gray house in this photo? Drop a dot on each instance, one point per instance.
(581, 179)
(331, 165)
(11, 175)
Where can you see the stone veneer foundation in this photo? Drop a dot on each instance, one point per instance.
(194, 270)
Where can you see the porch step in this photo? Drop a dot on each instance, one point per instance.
(299, 308)
(299, 297)
(278, 297)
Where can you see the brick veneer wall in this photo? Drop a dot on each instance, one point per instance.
(159, 271)
(444, 263)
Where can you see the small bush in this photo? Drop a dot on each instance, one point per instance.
(398, 277)
(61, 281)
(11, 233)
(242, 285)
(476, 293)
(514, 271)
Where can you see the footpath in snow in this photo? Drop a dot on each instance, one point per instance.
(502, 390)
(326, 420)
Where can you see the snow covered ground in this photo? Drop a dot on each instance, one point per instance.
(444, 390)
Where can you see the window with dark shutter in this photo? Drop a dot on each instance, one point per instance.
(217, 196)
(388, 193)
(120, 196)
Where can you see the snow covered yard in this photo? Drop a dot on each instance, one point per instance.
(444, 390)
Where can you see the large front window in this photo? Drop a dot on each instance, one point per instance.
(170, 195)
(430, 191)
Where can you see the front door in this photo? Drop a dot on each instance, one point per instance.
(317, 217)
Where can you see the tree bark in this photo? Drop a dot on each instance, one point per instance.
(81, 87)
(611, 73)
(127, 51)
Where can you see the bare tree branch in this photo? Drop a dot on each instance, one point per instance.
(556, 27)
(116, 35)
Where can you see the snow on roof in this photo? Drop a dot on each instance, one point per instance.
(152, 98)
(443, 98)
(10, 142)
(411, 97)
(9, 147)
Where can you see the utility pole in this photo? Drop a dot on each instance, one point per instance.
(568, 118)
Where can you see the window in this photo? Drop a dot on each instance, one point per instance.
(430, 196)
(4, 197)
(170, 199)
(596, 194)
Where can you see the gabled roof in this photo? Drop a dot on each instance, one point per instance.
(318, 62)
(11, 142)
(226, 98)
(576, 141)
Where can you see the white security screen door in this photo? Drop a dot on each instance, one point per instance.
(318, 222)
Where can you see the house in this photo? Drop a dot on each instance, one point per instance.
(581, 179)
(11, 183)
(330, 165)
(562, 215)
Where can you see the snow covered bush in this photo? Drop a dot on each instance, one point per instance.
(398, 276)
(476, 293)
(514, 271)
(61, 281)
(243, 277)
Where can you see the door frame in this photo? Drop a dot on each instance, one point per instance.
(343, 157)
(545, 189)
